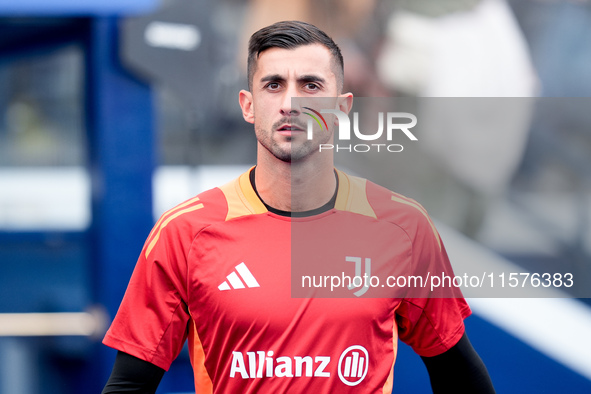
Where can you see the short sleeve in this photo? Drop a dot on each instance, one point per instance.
(431, 326)
(431, 322)
(152, 320)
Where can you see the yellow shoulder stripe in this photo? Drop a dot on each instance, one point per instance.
(412, 203)
(165, 214)
(163, 223)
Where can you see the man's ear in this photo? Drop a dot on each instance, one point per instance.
(245, 100)
(345, 102)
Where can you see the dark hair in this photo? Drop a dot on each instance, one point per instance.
(290, 35)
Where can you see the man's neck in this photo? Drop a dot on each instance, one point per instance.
(295, 187)
(300, 214)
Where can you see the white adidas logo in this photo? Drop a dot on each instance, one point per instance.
(235, 281)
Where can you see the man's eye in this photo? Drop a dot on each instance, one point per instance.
(272, 85)
(312, 86)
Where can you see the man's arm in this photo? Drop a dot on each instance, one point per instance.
(133, 375)
(459, 370)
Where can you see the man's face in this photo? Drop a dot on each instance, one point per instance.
(282, 74)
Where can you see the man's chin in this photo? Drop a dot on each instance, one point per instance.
(291, 157)
(292, 152)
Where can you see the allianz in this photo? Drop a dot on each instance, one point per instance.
(260, 363)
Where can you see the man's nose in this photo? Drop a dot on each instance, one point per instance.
(290, 105)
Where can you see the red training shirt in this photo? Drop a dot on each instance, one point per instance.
(232, 277)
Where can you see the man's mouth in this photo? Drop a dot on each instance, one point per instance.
(290, 127)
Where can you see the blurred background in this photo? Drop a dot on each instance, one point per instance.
(111, 112)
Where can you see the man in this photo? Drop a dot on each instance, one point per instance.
(217, 268)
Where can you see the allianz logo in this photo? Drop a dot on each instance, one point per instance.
(352, 367)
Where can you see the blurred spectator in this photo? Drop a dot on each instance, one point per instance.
(465, 49)
(462, 49)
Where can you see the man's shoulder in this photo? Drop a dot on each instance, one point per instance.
(201, 210)
(386, 205)
(206, 208)
(389, 202)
